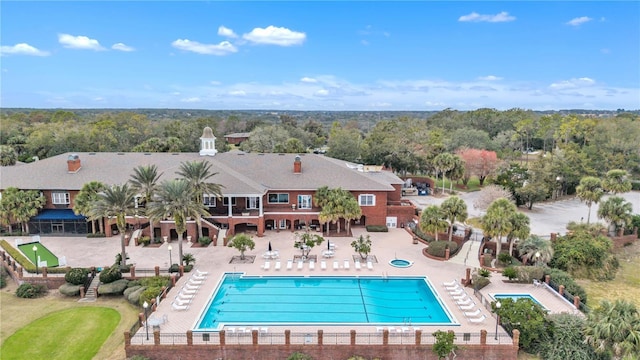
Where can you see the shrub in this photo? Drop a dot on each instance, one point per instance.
(144, 240)
(437, 248)
(148, 294)
(130, 289)
(76, 276)
(114, 288)
(68, 289)
(377, 228)
(560, 277)
(134, 296)
(510, 272)
(204, 241)
(484, 273)
(176, 268)
(96, 235)
(155, 281)
(111, 274)
(188, 259)
(29, 291)
(526, 274)
(505, 258)
(299, 356)
(479, 281)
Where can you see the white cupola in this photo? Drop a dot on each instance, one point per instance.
(207, 143)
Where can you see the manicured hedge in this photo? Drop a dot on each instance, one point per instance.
(115, 288)
(76, 276)
(68, 289)
(110, 274)
(563, 278)
(377, 228)
(29, 291)
(438, 248)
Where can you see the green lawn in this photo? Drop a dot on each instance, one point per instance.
(472, 185)
(82, 330)
(43, 253)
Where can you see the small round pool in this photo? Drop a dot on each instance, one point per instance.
(400, 263)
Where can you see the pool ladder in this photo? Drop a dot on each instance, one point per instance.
(406, 321)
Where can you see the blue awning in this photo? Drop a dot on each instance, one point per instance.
(58, 214)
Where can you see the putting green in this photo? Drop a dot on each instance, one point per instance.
(76, 333)
(43, 253)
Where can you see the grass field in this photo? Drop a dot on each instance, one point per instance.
(43, 253)
(16, 314)
(625, 286)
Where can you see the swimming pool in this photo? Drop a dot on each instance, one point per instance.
(279, 300)
(515, 297)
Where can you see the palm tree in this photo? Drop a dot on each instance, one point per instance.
(352, 209)
(520, 229)
(590, 191)
(456, 172)
(432, 220)
(443, 162)
(535, 249)
(197, 173)
(497, 221)
(617, 212)
(614, 329)
(144, 181)
(617, 181)
(454, 209)
(30, 201)
(116, 201)
(175, 199)
(83, 202)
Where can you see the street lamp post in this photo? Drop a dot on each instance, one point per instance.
(498, 305)
(35, 251)
(170, 261)
(537, 258)
(145, 305)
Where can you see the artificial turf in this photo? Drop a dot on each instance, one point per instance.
(43, 253)
(76, 333)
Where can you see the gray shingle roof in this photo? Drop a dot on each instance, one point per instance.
(239, 173)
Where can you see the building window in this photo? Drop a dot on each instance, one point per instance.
(59, 198)
(367, 200)
(304, 201)
(209, 200)
(225, 201)
(253, 202)
(278, 198)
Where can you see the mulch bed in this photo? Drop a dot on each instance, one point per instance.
(248, 259)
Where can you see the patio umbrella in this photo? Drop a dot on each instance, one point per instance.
(270, 246)
(328, 245)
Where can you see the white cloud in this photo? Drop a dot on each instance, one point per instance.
(475, 17)
(572, 83)
(489, 78)
(214, 82)
(79, 42)
(224, 48)
(122, 47)
(22, 49)
(272, 35)
(308, 80)
(322, 92)
(237, 93)
(579, 21)
(226, 32)
(191, 100)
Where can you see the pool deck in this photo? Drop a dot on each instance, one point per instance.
(396, 243)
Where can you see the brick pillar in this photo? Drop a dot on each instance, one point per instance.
(554, 236)
(81, 291)
(127, 338)
(446, 253)
(254, 337)
(181, 270)
(561, 289)
(287, 337)
(353, 337)
(418, 337)
(483, 337)
(467, 280)
(44, 272)
(547, 279)
(20, 273)
(516, 337)
(132, 271)
(156, 337)
(96, 290)
(157, 270)
(173, 280)
(163, 292)
(576, 301)
(141, 318)
(482, 260)
(223, 337)
(189, 337)
(385, 337)
(320, 337)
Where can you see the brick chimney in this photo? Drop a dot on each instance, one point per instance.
(73, 163)
(297, 165)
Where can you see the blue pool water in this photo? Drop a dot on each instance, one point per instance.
(248, 300)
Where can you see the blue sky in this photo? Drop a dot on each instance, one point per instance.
(303, 55)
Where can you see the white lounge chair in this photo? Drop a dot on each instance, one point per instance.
(346, 264)
(185, 296)
(323, 265)
(191, 286)
(456, 292)
(460, 297)
(300, 264)
(467, 307)
(537, 283)
(336, 265)
(464, 301)
(188, 291)
(195, 282)
(357, 265)
(181, 302)
(472, 314)
(175, 306)
(199, 277)
(369, 265)
(312, 265)
(289, 264)
(277, 266)
(267, 265)
(477, 320)
(454, 287)
(202, 273)
(451, 283)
